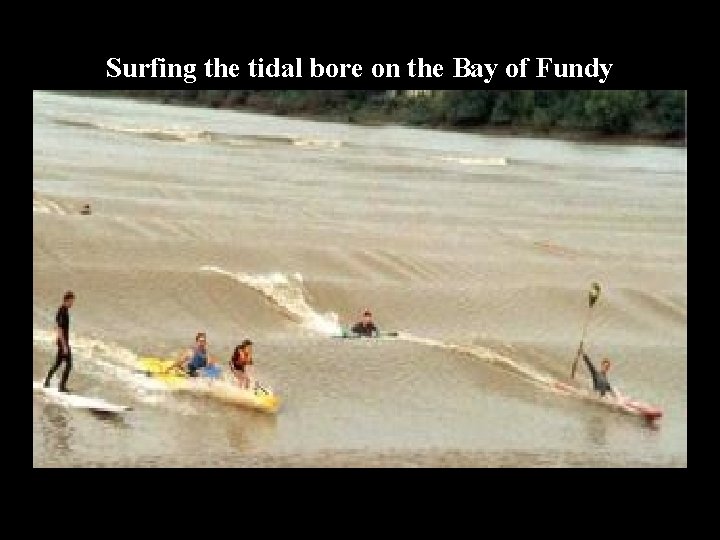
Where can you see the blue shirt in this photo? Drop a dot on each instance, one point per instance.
(198, 360)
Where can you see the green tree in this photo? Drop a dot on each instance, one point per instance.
(613, 111)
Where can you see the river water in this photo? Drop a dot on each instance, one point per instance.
(479, 250)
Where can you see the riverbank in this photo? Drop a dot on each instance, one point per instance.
(372, 118)
(654, 118)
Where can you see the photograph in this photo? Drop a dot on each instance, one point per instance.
(359, 278)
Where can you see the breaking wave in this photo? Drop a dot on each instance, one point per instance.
(286, 291)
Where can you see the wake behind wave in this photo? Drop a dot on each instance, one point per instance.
(544, 381)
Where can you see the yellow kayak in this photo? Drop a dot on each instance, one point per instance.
(218, 388)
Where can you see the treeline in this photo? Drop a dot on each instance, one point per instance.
(658, 114)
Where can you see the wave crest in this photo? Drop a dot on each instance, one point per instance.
(286, 291)
(174, 134)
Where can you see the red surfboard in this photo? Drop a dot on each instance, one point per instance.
(643, 409)
(628, 405)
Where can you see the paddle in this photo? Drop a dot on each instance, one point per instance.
(592, 299)
(149, 373)
(352, 335)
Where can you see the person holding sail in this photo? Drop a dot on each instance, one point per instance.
(599, 378)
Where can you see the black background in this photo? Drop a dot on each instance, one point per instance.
(547, 501)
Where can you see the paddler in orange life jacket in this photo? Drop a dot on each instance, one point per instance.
(366, 327)
(240, 363)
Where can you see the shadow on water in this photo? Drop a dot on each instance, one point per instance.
(55, 428)
(242, 429)
(650, 424)
(110, 418)
(597, 429)
(250, 430)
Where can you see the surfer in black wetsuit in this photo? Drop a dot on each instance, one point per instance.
(64, 354)
(366, 327)
(600, 382)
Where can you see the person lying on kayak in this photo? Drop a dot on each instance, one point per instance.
(366, 327)
(600, 381)
(196, 358)
(240, 363)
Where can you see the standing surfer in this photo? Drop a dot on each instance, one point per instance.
(64, 354)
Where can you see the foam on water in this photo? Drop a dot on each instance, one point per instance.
(87, 347)
(286, 292)
(483, 353)
(47, 207)
(106, 361)
(468, 160)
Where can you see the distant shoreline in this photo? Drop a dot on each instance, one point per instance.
(376, 117)
(566, 135)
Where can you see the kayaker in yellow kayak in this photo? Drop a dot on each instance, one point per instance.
(195, 358)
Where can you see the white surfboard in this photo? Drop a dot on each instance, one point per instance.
(79, 402)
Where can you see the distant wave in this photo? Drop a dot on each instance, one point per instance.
(163, 134)
(168, 134)
(47, 207)
(331, 143)
(291, 140)
(191, 135)
(485, 161)
(665, 306)
(286, 292)
(75, 122)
